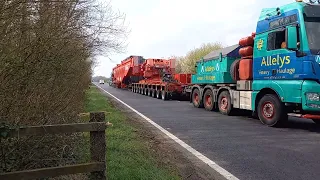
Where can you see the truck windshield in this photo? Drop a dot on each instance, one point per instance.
(313, 32)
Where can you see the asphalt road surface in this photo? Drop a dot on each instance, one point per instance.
(242, 146)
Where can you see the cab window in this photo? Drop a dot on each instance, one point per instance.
(276, 40)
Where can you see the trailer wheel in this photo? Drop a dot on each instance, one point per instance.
(196, 98)
(208, 100)
(271, 111)
(224, 103)
(158, 94)
(150, 92)
(164, 95)
(153, 93)
(146, 92)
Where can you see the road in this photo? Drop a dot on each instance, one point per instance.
(241, 145)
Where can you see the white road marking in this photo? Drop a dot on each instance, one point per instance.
(202, 157)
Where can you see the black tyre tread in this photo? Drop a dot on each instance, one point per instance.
(158, 92)
(316, 121)
(229, 108)
(200, 105)
(208, 91)
(280, 118)
(165, 97)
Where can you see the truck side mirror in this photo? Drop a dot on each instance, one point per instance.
(291, 37)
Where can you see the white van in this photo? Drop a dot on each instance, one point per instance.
(101, 81)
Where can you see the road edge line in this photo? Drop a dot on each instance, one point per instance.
(200, 156)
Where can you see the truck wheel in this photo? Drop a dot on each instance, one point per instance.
(271, 111)
(317, 121)
(224, 103)
(164, 95)
(158, 94)
(196, 99)
(208, 100)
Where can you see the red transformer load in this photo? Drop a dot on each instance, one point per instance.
(128, 72)
(155, 77)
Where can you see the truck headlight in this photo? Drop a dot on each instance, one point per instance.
(313, 96)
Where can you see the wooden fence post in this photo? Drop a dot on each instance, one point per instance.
(98, 146)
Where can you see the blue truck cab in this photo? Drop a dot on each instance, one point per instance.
(285, 69)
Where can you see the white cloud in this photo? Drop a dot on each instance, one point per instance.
(161, 28)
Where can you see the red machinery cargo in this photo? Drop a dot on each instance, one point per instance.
(151, 77)
(128, 72)
(160, 80)
(183, 78)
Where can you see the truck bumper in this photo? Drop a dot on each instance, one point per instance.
(310, 104)
(306, 116)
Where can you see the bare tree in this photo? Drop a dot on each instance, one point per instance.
(47, 50)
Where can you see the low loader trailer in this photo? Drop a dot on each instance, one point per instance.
(160, 80)
(274, 73)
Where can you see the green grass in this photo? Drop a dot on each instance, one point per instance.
(128, 156)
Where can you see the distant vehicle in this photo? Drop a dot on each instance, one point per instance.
(101, 81)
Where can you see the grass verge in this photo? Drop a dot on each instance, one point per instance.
(128, 154)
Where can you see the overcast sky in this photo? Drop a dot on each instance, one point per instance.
(162, 28)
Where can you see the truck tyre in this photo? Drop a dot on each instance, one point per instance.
(208, 100)
(271, 111)
(224, 103)
(164, 95)
(158, 94)
(154, 93)
(196, 98)
(317, 121)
